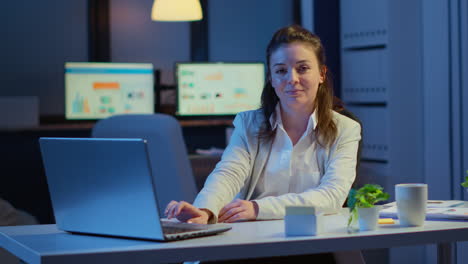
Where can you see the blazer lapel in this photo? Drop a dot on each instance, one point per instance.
(262, 155)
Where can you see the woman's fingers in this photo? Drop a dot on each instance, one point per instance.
(237, 210)
(170, 213)
(197, 220)
(173, 208)
(229, 206)
(186, 212)
(169, 206)
(177, 209)
(230, 213)
(241, 216)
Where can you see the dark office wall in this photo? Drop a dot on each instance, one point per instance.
(327, 27)
(37, 37)
(240, 30)
(136, 38)
(237, 31)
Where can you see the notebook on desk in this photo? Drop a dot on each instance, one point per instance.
(436, 209)
(105, 187)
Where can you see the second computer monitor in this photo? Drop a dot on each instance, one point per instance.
(99, 90)
(218, 89)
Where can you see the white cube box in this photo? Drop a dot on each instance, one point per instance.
(302, 221)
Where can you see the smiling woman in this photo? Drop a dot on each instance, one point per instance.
(297, 61)
(296, 76)
(293, 151)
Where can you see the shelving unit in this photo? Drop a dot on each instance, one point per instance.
(382, 85)
(365, 81)
(403, 75)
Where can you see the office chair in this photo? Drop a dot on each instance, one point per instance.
(338, 106)
(170, 165)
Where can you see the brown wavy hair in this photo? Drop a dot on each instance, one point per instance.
(326, 127)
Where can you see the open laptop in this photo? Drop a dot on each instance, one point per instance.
(105, 187)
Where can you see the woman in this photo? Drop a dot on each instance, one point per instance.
(293, 151)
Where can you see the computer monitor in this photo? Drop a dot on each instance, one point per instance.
(218, 89)
(99, 90)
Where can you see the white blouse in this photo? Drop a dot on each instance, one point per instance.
(246, 158)
(289, 169)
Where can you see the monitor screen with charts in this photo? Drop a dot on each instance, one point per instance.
(218, 89)
(99, 90)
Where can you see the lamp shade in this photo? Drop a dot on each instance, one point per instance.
(176, 10)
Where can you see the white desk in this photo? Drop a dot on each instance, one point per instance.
(45, 244)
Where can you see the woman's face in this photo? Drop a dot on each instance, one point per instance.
(295, 75)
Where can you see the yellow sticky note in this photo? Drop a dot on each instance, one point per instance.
(386, 221)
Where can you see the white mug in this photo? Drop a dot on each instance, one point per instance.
(411, 200)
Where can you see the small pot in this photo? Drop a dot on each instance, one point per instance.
(368, 218)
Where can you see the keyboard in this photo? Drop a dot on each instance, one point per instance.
(170, 227)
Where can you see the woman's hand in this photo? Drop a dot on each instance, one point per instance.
(238, 210)
(186, 212)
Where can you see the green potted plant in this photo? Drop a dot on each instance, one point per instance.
(465, 183)
(362, 206)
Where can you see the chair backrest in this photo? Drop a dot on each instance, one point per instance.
(338, 106)
(166, 148)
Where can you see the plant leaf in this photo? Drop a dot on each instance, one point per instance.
(351, 198)
(465, 183)
(370, 194)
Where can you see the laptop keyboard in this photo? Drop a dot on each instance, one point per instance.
(176, 227)
(175, 230)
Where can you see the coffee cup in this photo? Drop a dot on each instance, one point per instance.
(411, 200)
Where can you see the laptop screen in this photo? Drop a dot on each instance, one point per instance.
(99, 90)
(216, 89)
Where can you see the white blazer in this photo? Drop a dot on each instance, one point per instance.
(244, 160)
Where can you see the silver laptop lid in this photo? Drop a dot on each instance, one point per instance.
(172, 173)
(102, 186)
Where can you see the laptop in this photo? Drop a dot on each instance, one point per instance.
(104, 186)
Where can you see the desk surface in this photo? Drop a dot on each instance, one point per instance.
(45, 244)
